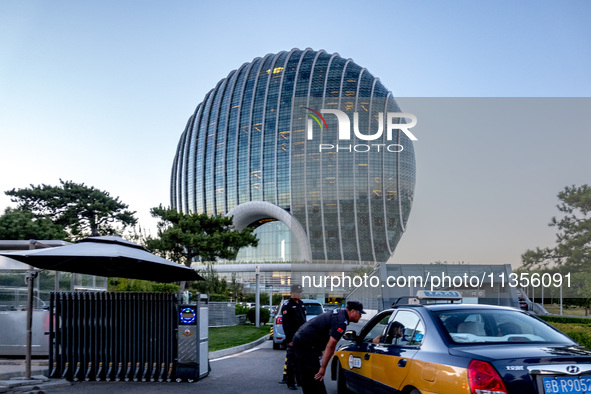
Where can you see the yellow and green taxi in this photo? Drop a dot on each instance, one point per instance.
(460, 348)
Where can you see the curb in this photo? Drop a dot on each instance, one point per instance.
(36, 384)
(16, 374)
(237, 349)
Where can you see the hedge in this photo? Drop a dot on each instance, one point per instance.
(566, 319)
(577, 328)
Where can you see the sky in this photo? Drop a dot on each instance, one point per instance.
(100, 92)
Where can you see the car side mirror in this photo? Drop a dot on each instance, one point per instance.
(350, 335)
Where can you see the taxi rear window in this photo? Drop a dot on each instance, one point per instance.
(497, 326)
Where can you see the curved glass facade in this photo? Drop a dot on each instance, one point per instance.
(250, 140)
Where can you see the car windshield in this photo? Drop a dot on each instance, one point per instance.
(486, 326)
(313, 309)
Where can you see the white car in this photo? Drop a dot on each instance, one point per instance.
(313, 309)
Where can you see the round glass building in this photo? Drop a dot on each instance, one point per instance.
(303, 145)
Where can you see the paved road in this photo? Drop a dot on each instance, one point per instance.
(254, 371)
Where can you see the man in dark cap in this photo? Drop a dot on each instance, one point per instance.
(321, 334)
(293, 317)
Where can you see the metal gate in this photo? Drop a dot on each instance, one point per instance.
(113, 336)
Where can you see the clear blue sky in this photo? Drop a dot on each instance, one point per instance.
(99, 92)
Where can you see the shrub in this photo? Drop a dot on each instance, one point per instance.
(583, 337)
(575, 327)
(566, 319)
(241, 309)
(138, 285)
(165, 288)
(264, 315)
(218, 297)
(578, 332)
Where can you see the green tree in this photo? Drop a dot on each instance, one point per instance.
(184, 237)
(235, 289)
(212, 283)
(22, 224)
(572, 252)
(79, 209)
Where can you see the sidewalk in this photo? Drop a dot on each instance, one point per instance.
(12, 371)
(12, 368)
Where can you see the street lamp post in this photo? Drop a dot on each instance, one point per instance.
(257, 299)
(30, 277)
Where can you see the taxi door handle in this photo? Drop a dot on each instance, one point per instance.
(402, 363)
(366, 356)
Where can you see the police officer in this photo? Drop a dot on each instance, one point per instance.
(321, 334)
(293, 315)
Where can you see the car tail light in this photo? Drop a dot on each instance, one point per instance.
(484, 378)
(279, 320)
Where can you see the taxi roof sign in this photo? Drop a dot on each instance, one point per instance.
(432, 295)
(450, 295)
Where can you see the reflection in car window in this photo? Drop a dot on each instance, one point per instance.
(378, 328)
(418, 335)
(478, 326)
(405, 329)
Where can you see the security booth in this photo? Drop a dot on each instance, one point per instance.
(127, 337)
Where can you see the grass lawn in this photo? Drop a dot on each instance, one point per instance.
(570, 311)
(225, 337)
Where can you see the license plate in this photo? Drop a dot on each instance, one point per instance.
(567, 384)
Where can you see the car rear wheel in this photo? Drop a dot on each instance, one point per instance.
(341, 383)
(415, 391)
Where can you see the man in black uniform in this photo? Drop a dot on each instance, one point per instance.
(321, 334)
(293, 315)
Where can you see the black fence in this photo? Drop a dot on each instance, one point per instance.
(113, 336)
